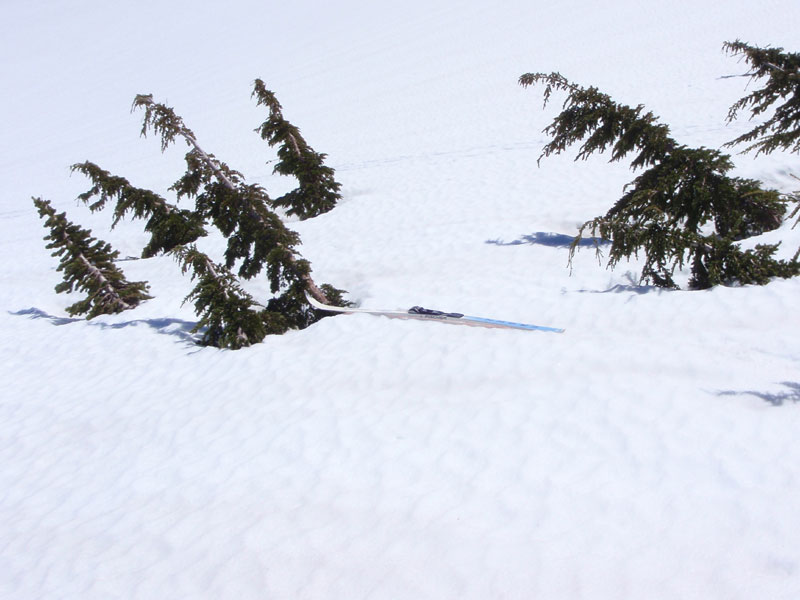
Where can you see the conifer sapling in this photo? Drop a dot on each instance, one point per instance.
(683, 208)
(258, 240)
(88, 265)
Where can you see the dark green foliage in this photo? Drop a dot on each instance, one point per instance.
(782, 130)
(88, 265)
(228, 318)
(168, 225)
(165, 122)
(683, 208)
(723, 262)
(603, 123)
(162, 120)
(257, 238)
(782, 69)
(318, 191)
(335, 296)
(204, 169)
(258, 241)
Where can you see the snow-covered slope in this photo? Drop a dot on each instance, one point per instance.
(648, 452)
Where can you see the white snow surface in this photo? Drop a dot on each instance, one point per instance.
(650, 451)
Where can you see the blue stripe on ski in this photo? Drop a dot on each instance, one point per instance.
(445, 316)
(512, 324)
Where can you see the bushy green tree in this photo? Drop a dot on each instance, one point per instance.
(258, 240)
(88, 266)
(683, 209)
(318, 191)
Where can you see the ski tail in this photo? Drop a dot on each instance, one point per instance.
(513, 325)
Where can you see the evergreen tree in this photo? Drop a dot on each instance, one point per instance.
(88, 265)
(168, 225)
(683, 208)
(258, 241)
(318, 191)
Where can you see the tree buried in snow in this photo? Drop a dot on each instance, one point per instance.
(258, 242)
(684, 208)
(88, 265)
(256, 235)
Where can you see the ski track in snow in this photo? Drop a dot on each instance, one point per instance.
(648, 452)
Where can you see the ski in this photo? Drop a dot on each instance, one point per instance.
(426, 314)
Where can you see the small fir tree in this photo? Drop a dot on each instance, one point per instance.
(318, 191)
(258, 241)
(257, 238)
(683, 208)
(88, 265)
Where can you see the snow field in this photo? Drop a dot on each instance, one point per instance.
(648, 452)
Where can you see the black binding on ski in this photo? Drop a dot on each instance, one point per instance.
(418, 310)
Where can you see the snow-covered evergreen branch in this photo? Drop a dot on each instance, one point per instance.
(667, 211)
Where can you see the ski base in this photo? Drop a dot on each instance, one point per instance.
(426, 314)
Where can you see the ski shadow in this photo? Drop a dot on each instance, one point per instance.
(165, 326)
(791, 394)
(551, 240)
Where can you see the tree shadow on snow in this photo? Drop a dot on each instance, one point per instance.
(35, 313)
(551, 240)
(561, 240)
(633, 286)
(175, 327)
(791, 394)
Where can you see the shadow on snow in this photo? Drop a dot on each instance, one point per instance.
(551, 240)
(175, 327)
(633, 286)
(791, 394)
(561, 240)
